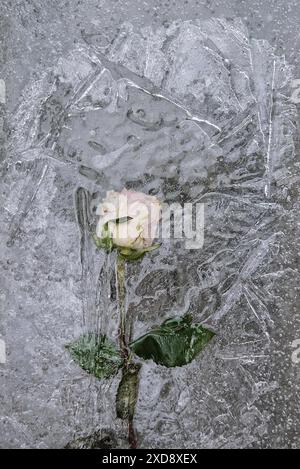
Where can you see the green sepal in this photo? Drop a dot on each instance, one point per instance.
(103, 243)
(135, 254)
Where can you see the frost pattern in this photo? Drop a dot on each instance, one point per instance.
(195, 112)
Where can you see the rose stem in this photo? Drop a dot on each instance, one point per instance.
(121, 296)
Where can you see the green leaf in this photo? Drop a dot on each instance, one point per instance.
(128, 392)
(96, 354)
(176, 342)
(133, 254)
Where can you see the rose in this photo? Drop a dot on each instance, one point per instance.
(129, 220)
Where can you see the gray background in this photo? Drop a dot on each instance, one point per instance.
(46, 401)
(33, 32)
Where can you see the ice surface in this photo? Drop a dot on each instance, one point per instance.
(192, 112)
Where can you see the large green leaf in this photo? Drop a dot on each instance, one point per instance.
(96, 354)
(175, 343)
(128, 392)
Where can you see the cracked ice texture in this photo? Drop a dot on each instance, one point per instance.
(196, 112)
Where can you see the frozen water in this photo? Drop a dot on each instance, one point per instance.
(196, 111)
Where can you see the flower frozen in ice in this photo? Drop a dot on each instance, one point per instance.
(128, 220)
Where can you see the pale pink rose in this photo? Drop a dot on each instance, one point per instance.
(130, 218)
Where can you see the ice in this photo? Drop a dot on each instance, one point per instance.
(192, 112)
